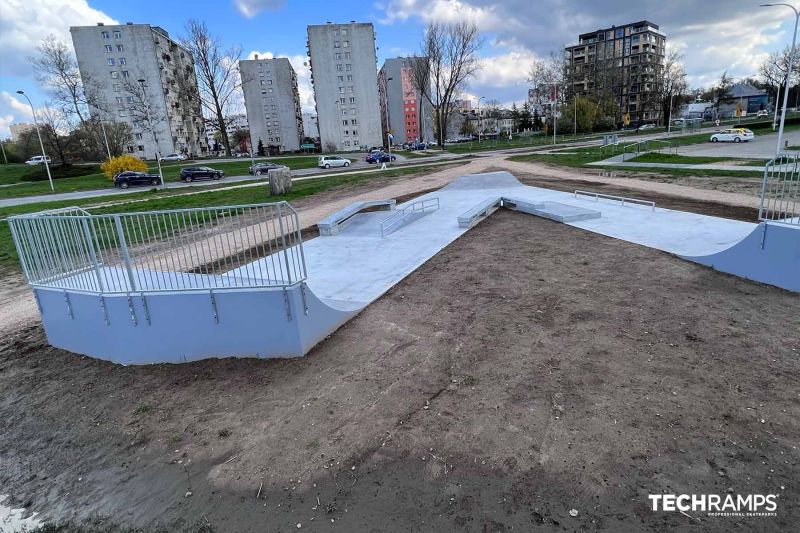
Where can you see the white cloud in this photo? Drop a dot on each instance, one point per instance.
(24, 23)
(251, 8)
(13, 109)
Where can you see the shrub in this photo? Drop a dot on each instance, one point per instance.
(121, 163)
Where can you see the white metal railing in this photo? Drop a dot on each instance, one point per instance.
(399, 217)
(780, 190)
(622, 199)
(256, 245)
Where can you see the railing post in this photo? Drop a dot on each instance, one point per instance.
(123, 246)
(90, 246)
(764, 189)
(283, 241)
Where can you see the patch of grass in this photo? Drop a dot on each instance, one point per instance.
(470, 381)
(142, 408)
(313, 445)
(656, 157)
(174, 439)
(224, 433)
(232, 168)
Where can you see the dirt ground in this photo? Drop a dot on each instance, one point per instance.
(528, 371)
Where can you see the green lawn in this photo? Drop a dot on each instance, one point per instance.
(657, 157)
(183, 198)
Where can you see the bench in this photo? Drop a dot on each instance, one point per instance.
(329, 226)
(479, 212)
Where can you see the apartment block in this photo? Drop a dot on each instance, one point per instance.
(404, 111)
(622, 62)
(272, 101)
(344, 72)
(20, 129)
(113, 58)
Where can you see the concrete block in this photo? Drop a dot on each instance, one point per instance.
(564, 212)
(280, 181)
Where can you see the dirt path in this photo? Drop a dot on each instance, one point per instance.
(505, 383)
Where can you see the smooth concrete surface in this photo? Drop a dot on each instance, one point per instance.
(349, 270)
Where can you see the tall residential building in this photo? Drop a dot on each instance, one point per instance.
(345, 76)
(310, 126)
(273, 103)
(112, 60)
(20, 129)
(621, 62)
(404, 111)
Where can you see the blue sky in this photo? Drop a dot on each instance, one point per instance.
(713, 36)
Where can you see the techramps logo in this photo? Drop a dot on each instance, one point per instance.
(739, 505)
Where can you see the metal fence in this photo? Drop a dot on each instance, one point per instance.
(401, 216)
(227, 247)
(780, 191)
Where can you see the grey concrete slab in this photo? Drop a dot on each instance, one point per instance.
(564, 212)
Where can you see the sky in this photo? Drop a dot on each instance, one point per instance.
(714, 36)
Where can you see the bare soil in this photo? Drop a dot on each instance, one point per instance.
(527, 370)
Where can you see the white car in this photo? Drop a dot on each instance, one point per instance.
(37, 160)
(736, 135)
(762, 113)
(328, 161)
(174, 157)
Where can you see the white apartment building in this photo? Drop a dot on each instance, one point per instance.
(272, 101)
(113, 58)
(345, 76)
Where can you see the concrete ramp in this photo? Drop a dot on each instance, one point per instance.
(485, 181)
(770, 254)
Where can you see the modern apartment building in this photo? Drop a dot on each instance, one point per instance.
(20, 129)
(345, 76)
(621, 62)
(272, 101)
(112, 60)
(404, 111)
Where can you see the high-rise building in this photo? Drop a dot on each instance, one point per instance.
(310, 126)
(621, 62)
(20, 129)
(112, 61)
(404, 111)
(345, 76)
(272, 101)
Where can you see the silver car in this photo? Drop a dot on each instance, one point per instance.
(328, 161)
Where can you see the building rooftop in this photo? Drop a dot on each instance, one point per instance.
(744, 90)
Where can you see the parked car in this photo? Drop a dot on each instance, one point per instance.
(647, 127)
(123, 180)
(736, 135)
(263, 168)
(174, 157)
(37, 160)
(762, 113)
(380, 157)
(328, 161)
(376, 149)
(193, 173)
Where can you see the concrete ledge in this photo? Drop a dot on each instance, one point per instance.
(564, 212)
(479, 212)
(330, 226)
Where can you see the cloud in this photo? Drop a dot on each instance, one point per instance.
(13, 109)
(300, 65)
(713, 40)
(24, 23)
(251, 8)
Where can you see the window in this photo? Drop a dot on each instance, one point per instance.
(347, 132)
(116, 86)
(270, 89)
(138, 136)
(109, 48)
(342, 100)
(344, 32)
(341, 90)
(345, 44)
(354, 121)
(340, 78)
(348, 67)
(347, 55)
(355, 132)
(262, 82)
(141, 148)
(117, 35)
(344, 123)
(344, 111)
(339, 67)
(273, 107)
(119, 48)
(277, 139)
(350, 89)
(126, 74)
(119, 99)
(336, 44)
(114, 74)
(122, 61)
(337, 55)
(269, 82)
(352, 100)
(349, 77)
(129, 99)
(347, 143)
(105, 35)
(130, 149)
(110, 61)
(123, 113)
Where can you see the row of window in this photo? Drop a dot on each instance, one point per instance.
(353, 121)
(115, 74)
(343, 100)
(348, 67)
(111, 61)
(347, 132)
(342, 44)
(110, 48)
(347, 143)
(107, 35)
(338, 55)
(349, 89)
(349, 78)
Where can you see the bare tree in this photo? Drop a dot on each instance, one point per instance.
(144, 114)
(673, 83)
(548, 80)
(57, 71)
(218, 78)
(448, 58)
(54, 126)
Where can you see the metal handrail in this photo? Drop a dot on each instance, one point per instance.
(214, 248)
(400, 215)
(780, 191)
(621, 199)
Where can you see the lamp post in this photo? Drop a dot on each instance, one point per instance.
(41, 144)
(153, 131)
(480, 119)
(105, 138)
(788, 72)
(669, 115)
(389, 136)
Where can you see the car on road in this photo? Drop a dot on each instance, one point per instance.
(736, 135)
(380, 157)
(174, 157)
(762, 113)
(123, 180)
(263, 168)
(328, 161)
(647, 127)
(37, 160)
(193, 173)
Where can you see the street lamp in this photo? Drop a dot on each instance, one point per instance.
(480, 119)
(788, 71)
(41, 144)
(153, 131)
(389, 136)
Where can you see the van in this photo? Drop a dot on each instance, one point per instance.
(37, 160)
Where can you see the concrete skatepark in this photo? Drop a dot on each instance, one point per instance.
(164, 308)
